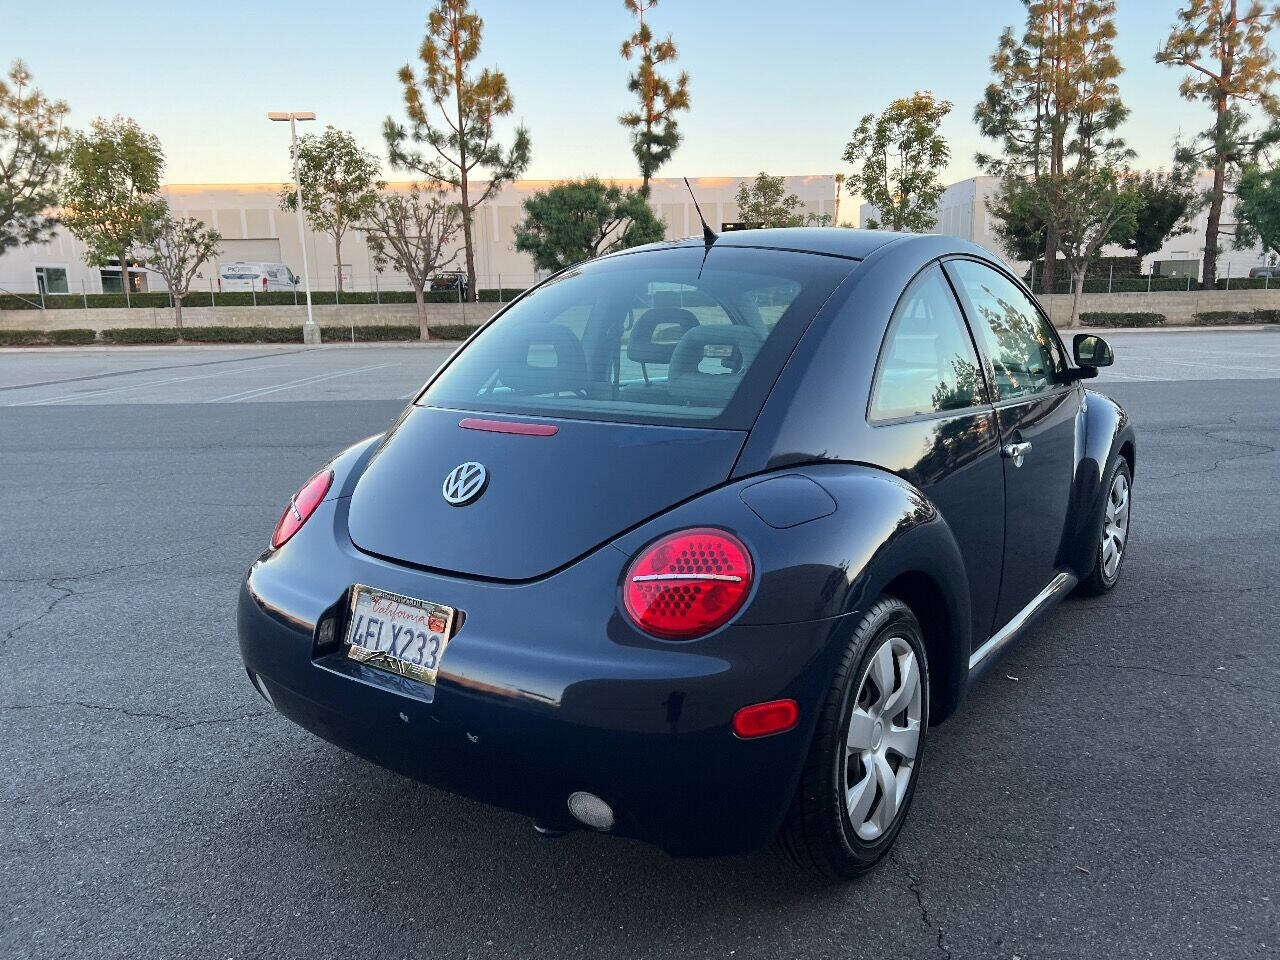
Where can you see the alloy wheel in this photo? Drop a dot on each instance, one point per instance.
(1115, 525)
(883, 739)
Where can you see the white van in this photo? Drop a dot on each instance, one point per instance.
(255, 275)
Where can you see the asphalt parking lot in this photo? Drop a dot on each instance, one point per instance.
(1112, 791)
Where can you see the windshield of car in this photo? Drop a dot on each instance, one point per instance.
(670, 336)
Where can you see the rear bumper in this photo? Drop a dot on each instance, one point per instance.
(545, 690)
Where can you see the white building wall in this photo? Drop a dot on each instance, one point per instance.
(253, 227)
(962, 212)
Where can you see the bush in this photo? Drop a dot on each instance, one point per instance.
(27, 302)
(1248, 283)
(249, 334)
(21, 338)
(369, 333)
(32, 338)
(73, 336)
(1105, 319)
(1220, 318)
(140, 335)
(452, 331)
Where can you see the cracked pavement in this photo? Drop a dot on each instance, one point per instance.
(1112, 790)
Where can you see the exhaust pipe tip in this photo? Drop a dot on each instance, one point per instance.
(589, 809)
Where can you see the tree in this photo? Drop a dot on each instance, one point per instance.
(1018, 218)
(1258, 209)
(1088, 205)
(1168, 201)
(109, 195)
(410, 231)
(461, 140)
(340, 185)
(32, 151)
(654, 131)
(1230, 67)
(1053, 101)
(581, 219)
(766, 203)
(176, 250)
(901, 153)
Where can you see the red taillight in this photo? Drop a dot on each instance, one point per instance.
(688, 583)
(762, 719)
(301, 507)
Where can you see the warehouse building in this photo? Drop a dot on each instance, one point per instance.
(254, 228)
(962, 212)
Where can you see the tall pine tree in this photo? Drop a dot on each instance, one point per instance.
(1053, 105)
(451, 118)
(654, 132)
(1223, 44)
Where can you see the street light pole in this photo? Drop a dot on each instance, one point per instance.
(310, 332)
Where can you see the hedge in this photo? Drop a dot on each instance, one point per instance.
(1219, 318)
(370, 333)
(254, 334)
(452, 331)
(31, 338)
(1248, 283)
(1105, 319)
(387, 332)
(1129, 265)
(243, 298)
(140, 335)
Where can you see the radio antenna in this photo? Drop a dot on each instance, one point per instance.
(709, 236)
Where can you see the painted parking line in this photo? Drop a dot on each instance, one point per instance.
(289, 385)
(167, 366)
(1213, 365)
(93, 394)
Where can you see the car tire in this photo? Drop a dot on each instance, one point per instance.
(852, 755)
(1113, 531)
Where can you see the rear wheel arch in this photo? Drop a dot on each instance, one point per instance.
(947, 662)
(1126, 451)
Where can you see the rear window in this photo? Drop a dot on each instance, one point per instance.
(674, 336)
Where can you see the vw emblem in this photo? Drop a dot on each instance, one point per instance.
(465, 482)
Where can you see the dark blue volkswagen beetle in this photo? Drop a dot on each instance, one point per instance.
(692, 543)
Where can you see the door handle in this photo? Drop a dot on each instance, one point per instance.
(1016, 452)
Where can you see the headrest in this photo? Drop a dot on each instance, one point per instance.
(689, 384)
(673, 322)
(544, 358)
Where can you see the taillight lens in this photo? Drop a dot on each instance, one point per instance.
(688, 583)
(301, 507)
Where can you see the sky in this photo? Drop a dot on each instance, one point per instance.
(775, 87)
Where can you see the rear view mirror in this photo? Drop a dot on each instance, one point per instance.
(1092, 351)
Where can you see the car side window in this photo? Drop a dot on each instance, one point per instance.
(1025, 352)
(927, 364)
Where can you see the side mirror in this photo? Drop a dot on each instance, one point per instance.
(1092, 351)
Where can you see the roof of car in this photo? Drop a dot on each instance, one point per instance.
(840, 242)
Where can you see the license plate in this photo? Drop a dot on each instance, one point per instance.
(398, 634)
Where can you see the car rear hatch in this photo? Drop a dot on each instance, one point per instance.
(645, 371)
(548, 500)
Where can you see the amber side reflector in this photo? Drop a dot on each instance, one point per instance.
(510, 426)
(763, 719)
